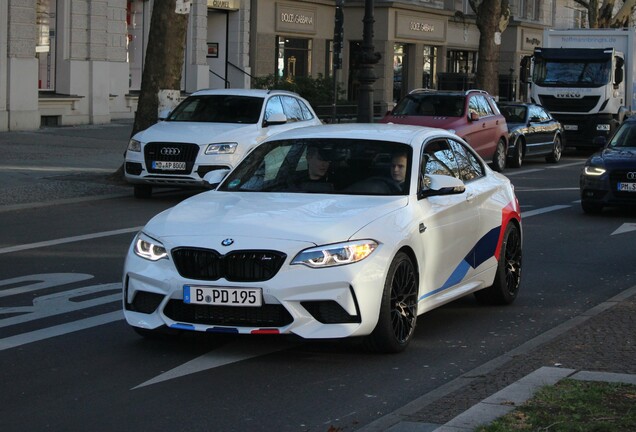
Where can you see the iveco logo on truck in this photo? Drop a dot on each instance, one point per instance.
(568, 95)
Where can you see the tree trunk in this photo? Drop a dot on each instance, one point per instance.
(164, 60)
(492, 16)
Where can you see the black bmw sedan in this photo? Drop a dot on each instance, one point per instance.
(609, 176)
(532, 131)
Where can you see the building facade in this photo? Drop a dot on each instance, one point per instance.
(68, 62)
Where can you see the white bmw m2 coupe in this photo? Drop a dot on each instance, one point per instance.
(330, 231)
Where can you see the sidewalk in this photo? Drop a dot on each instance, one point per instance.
(599, 341)
(53, 164)
(75, 163)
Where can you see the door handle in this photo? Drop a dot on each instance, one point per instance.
(470, 196)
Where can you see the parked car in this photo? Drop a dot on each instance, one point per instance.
(608, 177)
(314, 233)
(473, 115)
(532, 132)
(210, 130)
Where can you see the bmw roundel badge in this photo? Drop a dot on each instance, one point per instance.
(227, 242)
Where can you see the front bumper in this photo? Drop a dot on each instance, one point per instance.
(332, 302)
(603, 190)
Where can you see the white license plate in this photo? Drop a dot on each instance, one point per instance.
(173, 166)
(571, 127)
(222, 296)
(627, 187)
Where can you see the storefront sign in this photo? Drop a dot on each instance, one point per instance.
(223, 4)
(419, 27)
(530, 40)
(295, 19)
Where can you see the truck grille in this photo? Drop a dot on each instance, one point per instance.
(583, 105)
(236, 266)
(170, 152)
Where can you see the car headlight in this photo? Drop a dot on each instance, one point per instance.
(149, 248)
(221, 148)
(134, 145)
(593, 170)
(336, 254)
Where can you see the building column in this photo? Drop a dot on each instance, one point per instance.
(4, 28)
(21, 66)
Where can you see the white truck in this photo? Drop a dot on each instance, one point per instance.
(585, 78)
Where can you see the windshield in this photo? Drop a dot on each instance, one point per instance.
(218, 109)
(514, 113)
(431, 105)
(571, 73)
(329, 166)
(625, 136)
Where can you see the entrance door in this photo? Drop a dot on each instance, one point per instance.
(217, 46)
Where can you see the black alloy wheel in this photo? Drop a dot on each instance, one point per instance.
(398, 310)
(557, 150)
(505, 287)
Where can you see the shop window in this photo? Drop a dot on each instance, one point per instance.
(45, 45)
(429, 68)
(461, 61)
(294, 58)
(400, 69)
(135, 42)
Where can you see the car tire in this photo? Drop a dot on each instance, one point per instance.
(142, 191)
(591, 207)
(499, 158)
(516, 158)
(505, 286)
(398, 308)
(557, 150)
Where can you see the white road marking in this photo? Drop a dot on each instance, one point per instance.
(40, 281)
(518, 189)
(59, 330)
(543, 210)
(626, 227)
(67, 240)
(230, 353)
(60, 303)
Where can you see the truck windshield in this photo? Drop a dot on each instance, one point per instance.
(571, 73)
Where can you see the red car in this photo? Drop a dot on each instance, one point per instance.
(473, 115)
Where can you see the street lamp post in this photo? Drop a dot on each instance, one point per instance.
(366, 74)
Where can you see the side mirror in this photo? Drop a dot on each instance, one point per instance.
(275, 119)
(163, 114)
(213, 178)
(473, 116)
(600, 141)
(436, 184)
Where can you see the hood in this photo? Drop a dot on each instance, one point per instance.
(624, 157)
(195, 132)
(313, 218)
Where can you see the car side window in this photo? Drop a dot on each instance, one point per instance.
(484, 106)
(473, 107)
(535, 113)
(468, 164)
(438, 158)
(274, 106)
(292, 109)
(307, 115)
(543, 114)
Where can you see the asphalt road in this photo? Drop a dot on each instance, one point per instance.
(70, 362)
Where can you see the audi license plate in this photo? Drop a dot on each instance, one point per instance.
(222, 296)
(171, 166)
(626, 187)
(571, 127)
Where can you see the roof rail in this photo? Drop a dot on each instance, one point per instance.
(476, 91)
(282, 91)
(422, 90)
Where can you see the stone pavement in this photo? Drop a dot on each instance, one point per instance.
(599, 344)
(75, 163)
